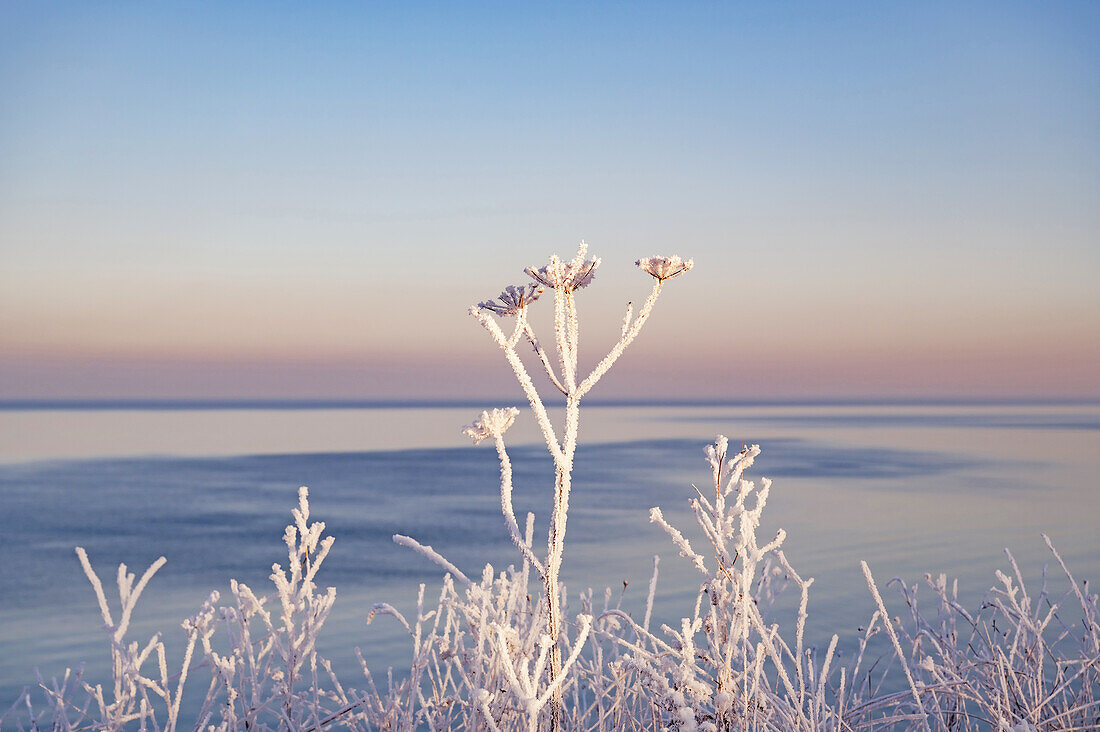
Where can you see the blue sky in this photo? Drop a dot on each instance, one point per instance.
(301, 200)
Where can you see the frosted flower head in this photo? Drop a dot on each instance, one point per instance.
(491, 424)
(567, 276)
(665, 268)
(513, 299)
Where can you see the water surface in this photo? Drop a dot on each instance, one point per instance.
(909, 488)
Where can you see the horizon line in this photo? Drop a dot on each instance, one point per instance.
(214, 404)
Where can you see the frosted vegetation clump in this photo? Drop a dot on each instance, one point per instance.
(505, 649)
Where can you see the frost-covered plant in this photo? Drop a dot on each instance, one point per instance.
(1019, 665)
(266, 676)
(273, 677)
(721, 683)
(489, 656)
(564, 278)
(1021, 662)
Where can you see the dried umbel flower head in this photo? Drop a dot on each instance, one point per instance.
(491, 424)
(566, 276)
(665, 268)
(513, 299)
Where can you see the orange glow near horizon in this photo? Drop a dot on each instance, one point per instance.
(268, 340)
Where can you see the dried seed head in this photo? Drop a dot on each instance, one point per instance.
(491, 424)
(513, 299)
(567, 276)
(665, 268)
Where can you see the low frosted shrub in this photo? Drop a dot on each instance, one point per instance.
(503, 651)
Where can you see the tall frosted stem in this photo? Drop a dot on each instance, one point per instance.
(564, 278)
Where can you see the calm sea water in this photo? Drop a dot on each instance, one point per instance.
(909, 488)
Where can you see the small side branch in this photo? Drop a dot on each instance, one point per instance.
(541, 353)
(629, 334)
(893, 637)
(431, 554)
(537, 407)
(508, 511)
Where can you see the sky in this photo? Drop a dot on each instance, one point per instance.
(298, 201)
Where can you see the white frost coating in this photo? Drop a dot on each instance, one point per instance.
(491, 424)
(537, 407)
(626, 320)
(630, 333)
(570, 276)
(432, 555)
(384, 608)
(543, 358)
(656, 517)
(652, 593)
(513, 299)
(97, 587)
(524, 545)
(893, 635)
(665, 268)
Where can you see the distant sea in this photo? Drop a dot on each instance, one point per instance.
(911, 488)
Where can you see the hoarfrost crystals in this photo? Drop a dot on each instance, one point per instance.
(491, 424)
(513, 299)
(566, 276)
(665, 268)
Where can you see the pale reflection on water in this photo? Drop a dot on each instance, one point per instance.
(911, 489)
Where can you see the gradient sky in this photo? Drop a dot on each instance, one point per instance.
(300, 200)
